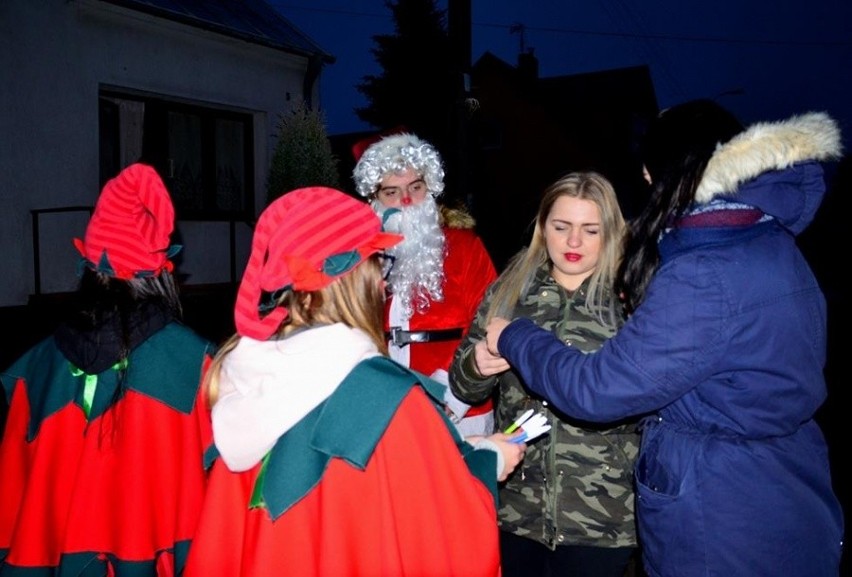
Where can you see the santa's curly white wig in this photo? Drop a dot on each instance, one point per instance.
(394, 154)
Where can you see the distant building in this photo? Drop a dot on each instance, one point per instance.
(522, 132)
(193, 87)
(526, 131)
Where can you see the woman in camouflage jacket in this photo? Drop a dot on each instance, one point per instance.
(568, 509)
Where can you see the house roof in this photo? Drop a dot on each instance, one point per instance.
(250, 20)
(630, 88)
(587, 98)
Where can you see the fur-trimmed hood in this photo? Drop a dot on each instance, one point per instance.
(773, 166)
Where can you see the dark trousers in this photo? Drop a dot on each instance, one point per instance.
(523, 557)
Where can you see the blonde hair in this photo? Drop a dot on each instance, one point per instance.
(356, 299)
(516, 281)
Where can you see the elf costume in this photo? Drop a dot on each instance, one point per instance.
(101, 461)
(331, 459)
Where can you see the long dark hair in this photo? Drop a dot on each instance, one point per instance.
(675, 151)
(100, 297)
(108, 317)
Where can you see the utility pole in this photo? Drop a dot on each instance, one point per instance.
(519, 29)
(459, 30)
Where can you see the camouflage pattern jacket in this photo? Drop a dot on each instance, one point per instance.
(575, 485)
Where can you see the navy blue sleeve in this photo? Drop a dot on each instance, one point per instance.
(671, 344)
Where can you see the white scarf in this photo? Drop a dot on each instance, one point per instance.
(266, 387)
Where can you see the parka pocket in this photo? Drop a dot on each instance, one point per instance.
(671, 526)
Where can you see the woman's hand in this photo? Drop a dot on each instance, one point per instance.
(492, 334)
(513, 453)
(488, 364)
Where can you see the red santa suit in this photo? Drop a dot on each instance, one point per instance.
(468, 271)
(348, 467)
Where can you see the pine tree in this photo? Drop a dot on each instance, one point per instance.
(303, 155)
(416, 88)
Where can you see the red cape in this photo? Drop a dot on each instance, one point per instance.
(127, 486)
(415, 510)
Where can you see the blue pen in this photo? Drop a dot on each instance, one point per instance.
(519, 439)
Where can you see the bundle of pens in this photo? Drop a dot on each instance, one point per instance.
(531, 426)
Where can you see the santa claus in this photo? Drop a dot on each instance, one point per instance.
(438, 275)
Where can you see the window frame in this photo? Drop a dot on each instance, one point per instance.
(155, 144)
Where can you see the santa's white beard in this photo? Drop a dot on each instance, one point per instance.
(417, 276)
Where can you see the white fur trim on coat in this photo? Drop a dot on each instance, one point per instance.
(769, 146)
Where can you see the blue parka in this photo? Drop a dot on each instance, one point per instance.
(725, 354)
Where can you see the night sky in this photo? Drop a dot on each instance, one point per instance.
(763, 60)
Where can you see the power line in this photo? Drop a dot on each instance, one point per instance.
(624, 18)
(336, 11)
(673, 37)
(558, 30)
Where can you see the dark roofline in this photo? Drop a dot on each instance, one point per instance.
(281, 33)
(490, 57)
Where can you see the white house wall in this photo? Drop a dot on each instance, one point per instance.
(55, 57)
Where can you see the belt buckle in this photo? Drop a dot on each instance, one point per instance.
(399, 337)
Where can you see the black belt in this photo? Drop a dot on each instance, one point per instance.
(401, 338)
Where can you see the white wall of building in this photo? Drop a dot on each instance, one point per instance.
(55, 56)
